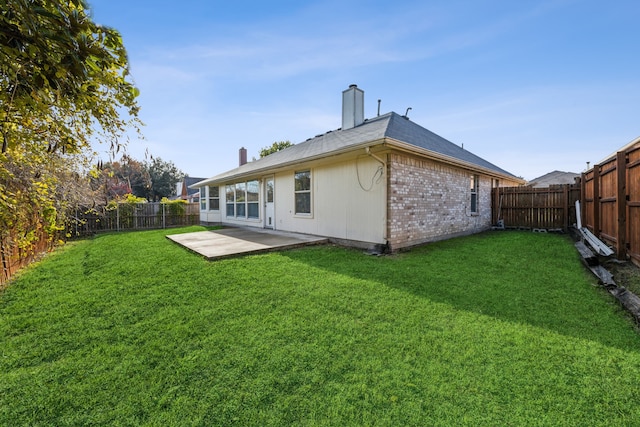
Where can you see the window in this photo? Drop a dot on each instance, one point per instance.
(474, 193)
(270, 190)
(203, 198)
(253, 193)
(302, 189)
(231, 197)
(240, 200)
(214, 198)
(243, 200)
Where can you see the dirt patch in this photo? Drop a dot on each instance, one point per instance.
(625, 274)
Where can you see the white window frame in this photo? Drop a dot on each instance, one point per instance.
(241, 199)
(203, 198)
(213, 197)
(237, 200)
(254, 185)
(302, 191)
(230, 202)
(474, 194)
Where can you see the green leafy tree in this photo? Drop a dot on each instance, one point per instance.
(164, 177)
(276, 146)
(64, 80)
(64, 83)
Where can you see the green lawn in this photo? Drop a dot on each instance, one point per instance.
(503, 328)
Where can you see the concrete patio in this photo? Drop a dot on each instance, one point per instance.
(229, 242)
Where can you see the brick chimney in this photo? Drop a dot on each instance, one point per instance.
(352, 107)
(242, 154)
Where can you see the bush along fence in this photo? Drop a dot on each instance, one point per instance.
(545, 209)
(610, 202)
(16, 251)
(125, 216)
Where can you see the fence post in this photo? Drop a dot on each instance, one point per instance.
(583, 199)
(621, 232)
(117, 216)
(596, 200)
(566, 205)
(164, 213)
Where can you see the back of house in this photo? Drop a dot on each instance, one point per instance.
(379, 183)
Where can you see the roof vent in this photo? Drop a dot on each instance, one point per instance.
(352, 107)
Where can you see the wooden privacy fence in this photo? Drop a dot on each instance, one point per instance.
(124, 216)
(550, 208)
(13, 256)
(610, 202)
(134, 216)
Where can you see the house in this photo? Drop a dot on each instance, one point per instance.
(381, 183)
(553, 178)
(184, 190)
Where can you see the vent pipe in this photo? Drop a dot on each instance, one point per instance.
(352, 107)
(242, 156)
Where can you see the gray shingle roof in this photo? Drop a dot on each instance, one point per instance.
(553, 178)
(391, 126)
(189, 181)
(402, 129)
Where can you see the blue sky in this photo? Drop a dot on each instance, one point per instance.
(531, 86)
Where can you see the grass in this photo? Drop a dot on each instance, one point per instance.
(493, 329)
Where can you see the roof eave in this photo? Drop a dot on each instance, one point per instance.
(410, 148)
(286, 165)
(386, 141)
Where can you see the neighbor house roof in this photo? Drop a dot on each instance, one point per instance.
(189, 181)
(390, 129)
(553, 178)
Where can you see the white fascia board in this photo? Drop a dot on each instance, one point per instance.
(285, 165)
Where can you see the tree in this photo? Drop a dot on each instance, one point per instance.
(134, 173)
(63, 79)
(116, 179)
(164, 177)
(276, 146)
(64, 82)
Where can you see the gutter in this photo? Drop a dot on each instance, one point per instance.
(385, 142)
(285, 165)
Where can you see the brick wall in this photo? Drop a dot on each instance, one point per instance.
(430, 201)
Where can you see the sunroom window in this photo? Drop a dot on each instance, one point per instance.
(214, 198)
(203, 198)
(253, 195)
(230, 191)
(240, 200)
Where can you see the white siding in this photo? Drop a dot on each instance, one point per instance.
(210, 216)
(343, 206)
